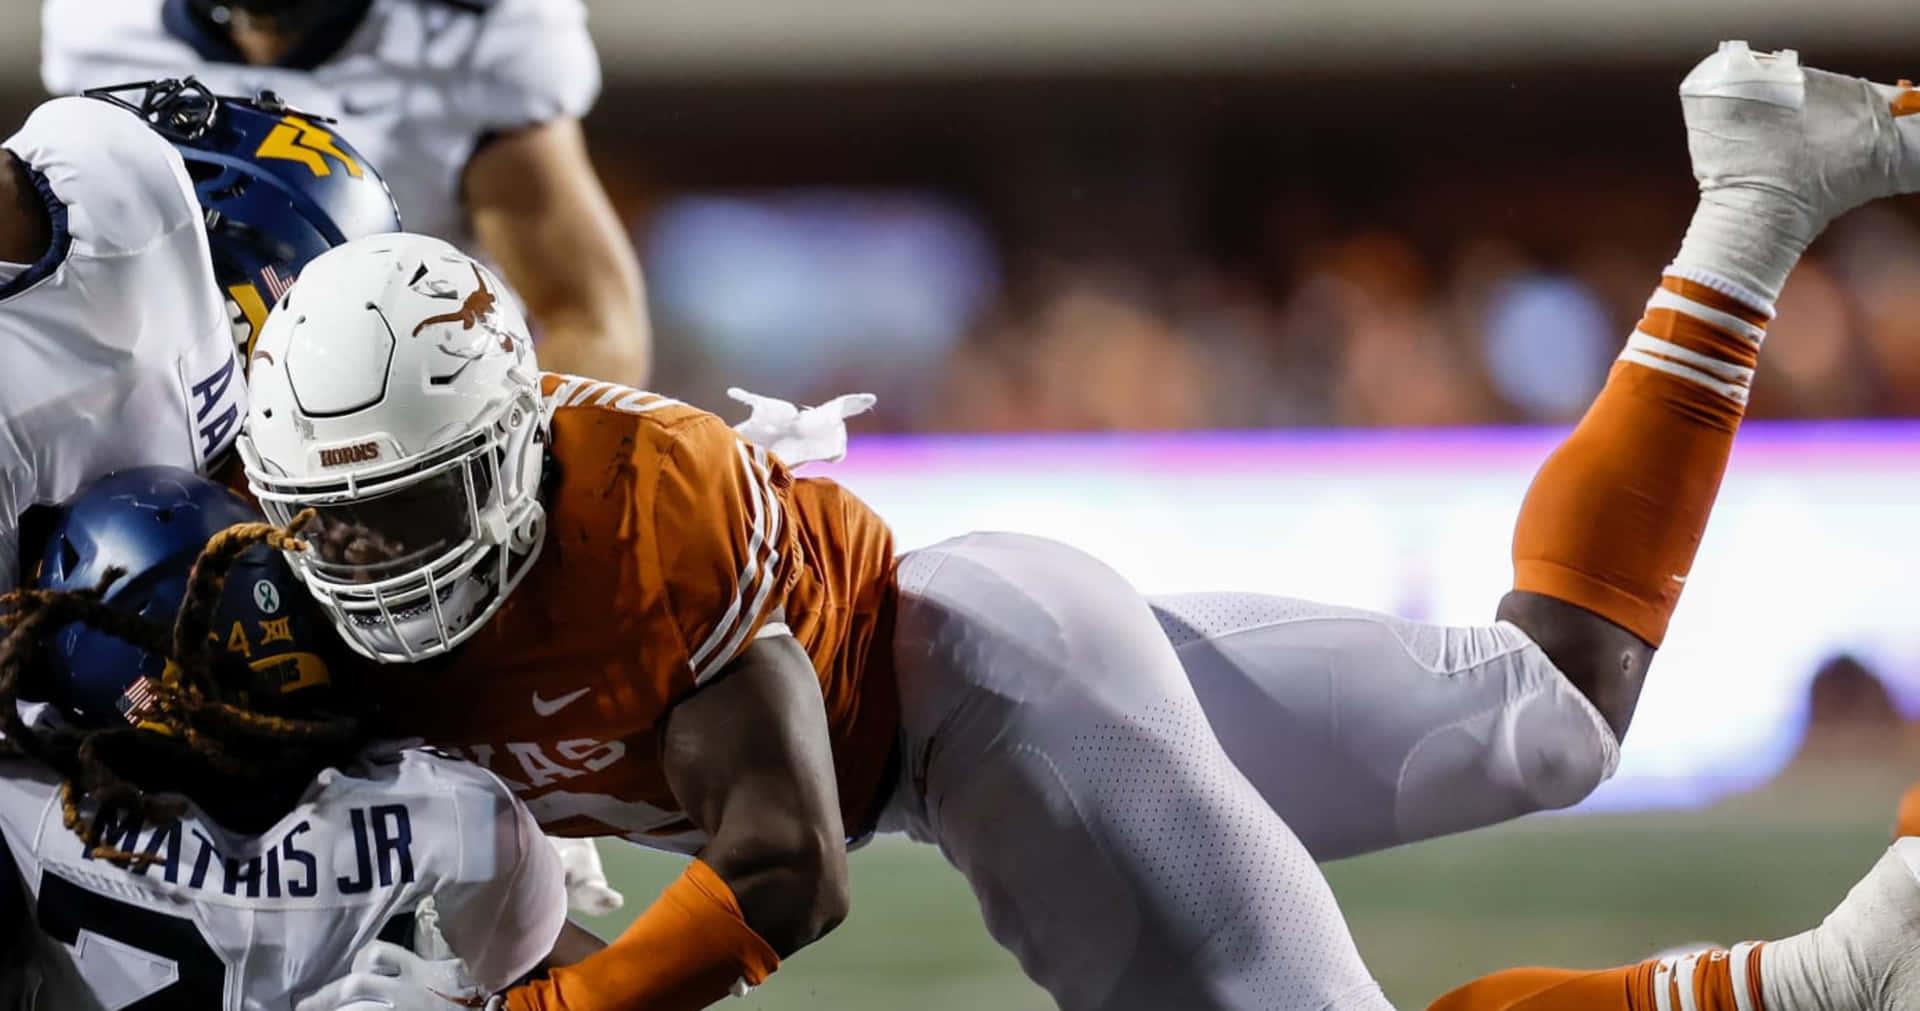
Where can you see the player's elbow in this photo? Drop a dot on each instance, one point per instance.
(793, 890)
(823, 891)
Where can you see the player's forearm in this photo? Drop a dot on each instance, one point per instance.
(583, 294)
(610, 342)
(574, 945)
(691, 948)
(539, 211)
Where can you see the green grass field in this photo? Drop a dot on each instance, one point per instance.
(1580, 891)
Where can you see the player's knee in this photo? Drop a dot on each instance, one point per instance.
(1564, 749)
(1544, 747)
(1605, 662)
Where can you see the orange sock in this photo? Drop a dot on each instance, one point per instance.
(1709, 981)
(1907, 821)
(1613, 518)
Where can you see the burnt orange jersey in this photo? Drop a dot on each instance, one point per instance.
(671, 543)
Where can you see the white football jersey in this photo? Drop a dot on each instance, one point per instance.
(225, 922)
(118, 348)
(415, 84)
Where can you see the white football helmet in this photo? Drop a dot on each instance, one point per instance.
(395, 392)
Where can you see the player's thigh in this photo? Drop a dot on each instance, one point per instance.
(1061, 762)
(1366, 731)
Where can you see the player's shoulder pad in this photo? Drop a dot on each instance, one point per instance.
(123, 185)
(429, 770)
(535, 63)
(640, 410)
(480, 799)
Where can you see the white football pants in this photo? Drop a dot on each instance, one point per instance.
(1056, 753)
(1366, 731)
(1132, 821)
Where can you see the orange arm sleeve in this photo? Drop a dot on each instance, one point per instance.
(685, 952)
(1906, 821)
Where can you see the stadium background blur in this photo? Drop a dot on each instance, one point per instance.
(1362, 259)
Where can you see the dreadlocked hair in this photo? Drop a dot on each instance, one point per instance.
(188, 729)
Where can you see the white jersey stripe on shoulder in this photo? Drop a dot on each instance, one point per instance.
(764, 575)
(586, 392)
(756, 580)
(709, 657)
(1737, 965)
(702, 659)
(562, 395)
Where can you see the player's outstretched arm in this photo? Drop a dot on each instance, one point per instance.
(748, 758)
(540, 213)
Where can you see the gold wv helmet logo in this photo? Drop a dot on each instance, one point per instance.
(295, 139)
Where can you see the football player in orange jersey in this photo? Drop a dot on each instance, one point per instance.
(653, 630)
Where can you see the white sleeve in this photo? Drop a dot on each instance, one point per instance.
(85, 44)
(535, 63)
(502, 915)
(62, 60)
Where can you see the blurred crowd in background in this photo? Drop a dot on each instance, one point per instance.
(1234, 253)
(1257, 246)
(1361, 329)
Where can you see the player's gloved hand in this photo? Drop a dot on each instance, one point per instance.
(388, 977)
(800, 435)
(587, 890)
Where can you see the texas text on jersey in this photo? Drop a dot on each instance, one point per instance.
(671, 544)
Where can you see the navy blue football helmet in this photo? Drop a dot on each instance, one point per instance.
(152, 523)
(277, 186)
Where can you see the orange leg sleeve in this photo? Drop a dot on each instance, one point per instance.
(1907, 821)
(1708, 981)
(1614, 516)
(685, 952)
(1543, 990)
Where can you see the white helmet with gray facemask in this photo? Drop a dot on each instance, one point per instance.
(395, 393)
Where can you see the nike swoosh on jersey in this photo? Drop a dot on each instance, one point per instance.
(353, 107)
(547, 707)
